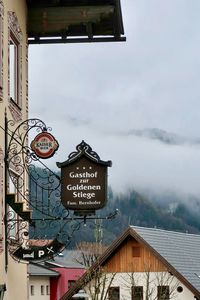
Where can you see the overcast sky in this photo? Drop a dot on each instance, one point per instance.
(100, 92)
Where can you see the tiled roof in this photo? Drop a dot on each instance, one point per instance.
(180, 250)
(39, 270)
(68, 259)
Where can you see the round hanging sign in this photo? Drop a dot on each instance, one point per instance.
(44, 145)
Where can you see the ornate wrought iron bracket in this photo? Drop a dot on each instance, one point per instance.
(36, 214)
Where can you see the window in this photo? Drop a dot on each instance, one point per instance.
(179, 289)
(32, 288)
(137, 292)
(113, 293)
(71, 283)
(47, 290)
(163, 292)
(14, 69)
(42, 289)
(15, 62)
(136, 251)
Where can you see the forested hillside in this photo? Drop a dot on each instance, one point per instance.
(166, 211)
(138, 210)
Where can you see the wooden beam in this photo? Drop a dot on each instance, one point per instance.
(76, 40)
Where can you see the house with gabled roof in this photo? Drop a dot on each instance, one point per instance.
(147, 263)
(50, 280)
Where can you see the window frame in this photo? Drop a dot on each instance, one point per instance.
(32, 290)
(14, 77)
(47, 290)
(161, 292)
(137, 292)
(71, 283)
(110, 293)
(42, 290)
(136, 251)
(15, 35)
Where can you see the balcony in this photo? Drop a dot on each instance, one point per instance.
(69, 21)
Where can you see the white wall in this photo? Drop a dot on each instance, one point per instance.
(37, 282)
(126, 280)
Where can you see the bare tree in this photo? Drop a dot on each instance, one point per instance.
(97, 281)
(88, 253)
(150, 285)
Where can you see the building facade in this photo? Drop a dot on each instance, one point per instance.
(39, 281)
(145, 263)
(24, 22)
(69, 269)
(13, 105)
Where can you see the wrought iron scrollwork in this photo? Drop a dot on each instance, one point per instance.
(42, 196)
(51, 224)
(22, 164)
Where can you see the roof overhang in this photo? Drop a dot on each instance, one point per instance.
(69, 21)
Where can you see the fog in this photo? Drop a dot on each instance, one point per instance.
(99, 92)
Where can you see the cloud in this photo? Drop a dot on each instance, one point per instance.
(137, 162)
(98, 92)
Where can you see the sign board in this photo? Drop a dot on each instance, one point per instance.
(84, 181)
(37, 253)
(44, 145)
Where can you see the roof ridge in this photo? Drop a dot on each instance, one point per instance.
(165, 230)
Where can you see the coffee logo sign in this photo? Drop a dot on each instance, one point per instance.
(84, 180)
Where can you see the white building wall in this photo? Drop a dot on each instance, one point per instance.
(39, 284)
(126, 280)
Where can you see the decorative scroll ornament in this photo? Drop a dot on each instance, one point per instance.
(83, 149)
(15, 112)
(14, 25)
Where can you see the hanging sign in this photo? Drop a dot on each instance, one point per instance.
(84, 181)
(37, 253)
(44, 145)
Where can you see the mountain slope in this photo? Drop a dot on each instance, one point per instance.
(135, 209)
